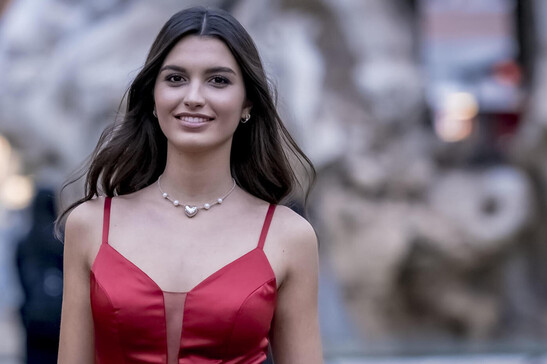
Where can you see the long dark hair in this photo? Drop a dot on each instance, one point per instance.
(131, 155)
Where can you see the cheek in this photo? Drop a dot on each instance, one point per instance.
(164, 97)
(230, 104)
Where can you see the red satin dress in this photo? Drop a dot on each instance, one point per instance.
(226, 318)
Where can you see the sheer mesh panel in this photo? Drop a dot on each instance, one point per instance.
(174, 311)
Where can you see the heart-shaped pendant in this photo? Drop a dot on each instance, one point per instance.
(190, 211)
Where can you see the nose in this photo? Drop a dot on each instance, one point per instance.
(193, 97)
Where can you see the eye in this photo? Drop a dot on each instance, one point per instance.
(220, 81)
(174, 78)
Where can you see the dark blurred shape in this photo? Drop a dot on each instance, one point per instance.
(3, 5)
(39, 265)
(269, 359)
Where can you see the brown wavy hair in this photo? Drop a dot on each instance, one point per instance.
(131, 154)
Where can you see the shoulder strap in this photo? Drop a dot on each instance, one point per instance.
(106, 218)
(266, 226)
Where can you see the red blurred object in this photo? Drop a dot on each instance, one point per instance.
(508, 72)
(506, 124)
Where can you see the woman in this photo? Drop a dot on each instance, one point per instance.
(188, 259)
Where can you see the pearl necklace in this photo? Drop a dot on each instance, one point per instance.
(192, 210)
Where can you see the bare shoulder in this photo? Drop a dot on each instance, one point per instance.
(84, 227)
(81, 214)
(294, 232)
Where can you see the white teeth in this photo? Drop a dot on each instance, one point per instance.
(192, 119)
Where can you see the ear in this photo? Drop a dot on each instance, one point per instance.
(247, 106)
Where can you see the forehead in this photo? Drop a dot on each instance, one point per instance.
(201, 51)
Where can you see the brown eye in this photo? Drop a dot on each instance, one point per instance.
(220, 80)
(174, 78)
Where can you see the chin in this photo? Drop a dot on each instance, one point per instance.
(199, 145)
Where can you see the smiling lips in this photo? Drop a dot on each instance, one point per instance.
(193, 121)
(194, 118)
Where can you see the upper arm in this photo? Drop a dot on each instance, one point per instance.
(76, 338)
(295, 333)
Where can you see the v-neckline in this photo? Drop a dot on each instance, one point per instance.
(199, 284)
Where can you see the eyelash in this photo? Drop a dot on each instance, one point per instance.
(216, 80)
(223, 80)
(169, 78)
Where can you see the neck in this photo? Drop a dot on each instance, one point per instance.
(196, 178)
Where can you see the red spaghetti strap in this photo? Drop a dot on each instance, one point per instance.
(266, 226)
(106, 218)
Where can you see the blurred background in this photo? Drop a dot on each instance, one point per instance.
(426, 121)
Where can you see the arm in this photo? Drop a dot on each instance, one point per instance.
(295, 334)
(76, 338)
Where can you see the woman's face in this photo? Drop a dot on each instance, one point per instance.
(199, 94)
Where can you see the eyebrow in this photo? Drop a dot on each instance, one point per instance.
(207, 71)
